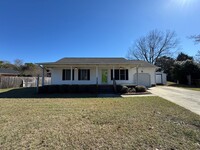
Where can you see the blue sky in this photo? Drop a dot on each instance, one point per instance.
(47, 30)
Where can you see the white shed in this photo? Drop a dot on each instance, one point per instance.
(161, 78)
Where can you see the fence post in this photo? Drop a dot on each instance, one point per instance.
(38, 80)
(42, 75)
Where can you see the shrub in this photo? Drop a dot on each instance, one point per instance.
(88, 88)
(93, 89)
(122, 89)
(43, 89)
(140, 88)
(63, 88)
(119, 87)
(196, 82)
(53, 89)
(68, 89)
(131, 90)
(73, 89)
(83, 88)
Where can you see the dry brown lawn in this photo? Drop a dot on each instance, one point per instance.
(96, 123)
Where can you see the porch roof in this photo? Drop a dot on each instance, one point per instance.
(97, 61)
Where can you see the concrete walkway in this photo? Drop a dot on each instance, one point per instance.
(138, 95)
(186, 98)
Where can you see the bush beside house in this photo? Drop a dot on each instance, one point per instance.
(68, 89)
(92, 89)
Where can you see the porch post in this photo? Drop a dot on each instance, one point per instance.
(97, 75)
(42, 75)
(137, 75)
(37, 82)
(114, 82)
(113, 73)
(71, 74)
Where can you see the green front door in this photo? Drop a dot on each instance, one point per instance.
(104, 76)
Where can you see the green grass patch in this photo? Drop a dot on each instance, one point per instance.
(97, 123)
(183, 86)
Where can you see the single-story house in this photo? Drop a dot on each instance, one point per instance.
(8, 72)
(101, 71)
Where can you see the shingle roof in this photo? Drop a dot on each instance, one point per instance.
(92, 61)
(142, 63)
(8, 71)
(98, 61)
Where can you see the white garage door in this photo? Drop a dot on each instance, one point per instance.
(143, 79)
(158, 79)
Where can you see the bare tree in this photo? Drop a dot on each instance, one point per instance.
(196, 38)
(154, 45)
(18, 62)
(197, 56)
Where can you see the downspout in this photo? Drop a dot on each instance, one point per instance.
(137, 75)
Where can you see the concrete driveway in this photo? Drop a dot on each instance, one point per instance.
(186, 98)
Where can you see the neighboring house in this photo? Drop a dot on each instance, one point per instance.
(8, 72)
(101, 71)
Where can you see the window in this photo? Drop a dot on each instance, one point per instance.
(66, 74)
(84, 74)
(120, 74)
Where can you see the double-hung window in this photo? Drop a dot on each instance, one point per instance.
(66, 74)
(84, 74)
(120, 74)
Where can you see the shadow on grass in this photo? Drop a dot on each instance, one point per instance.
(183, 85)
(190, 87)
(31, 93)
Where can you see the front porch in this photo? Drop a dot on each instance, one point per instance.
(93, 74)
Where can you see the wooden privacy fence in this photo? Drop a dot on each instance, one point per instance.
(12, 82)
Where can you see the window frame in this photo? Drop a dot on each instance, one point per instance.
(64, 74)
(81, 72)
(118, 74)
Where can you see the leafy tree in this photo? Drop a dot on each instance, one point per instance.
(183, 57)
(1, 64)
(166, 64)
(6, 65)
(30, 69)
(27, 69)
(184, 68)
(154, 45)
